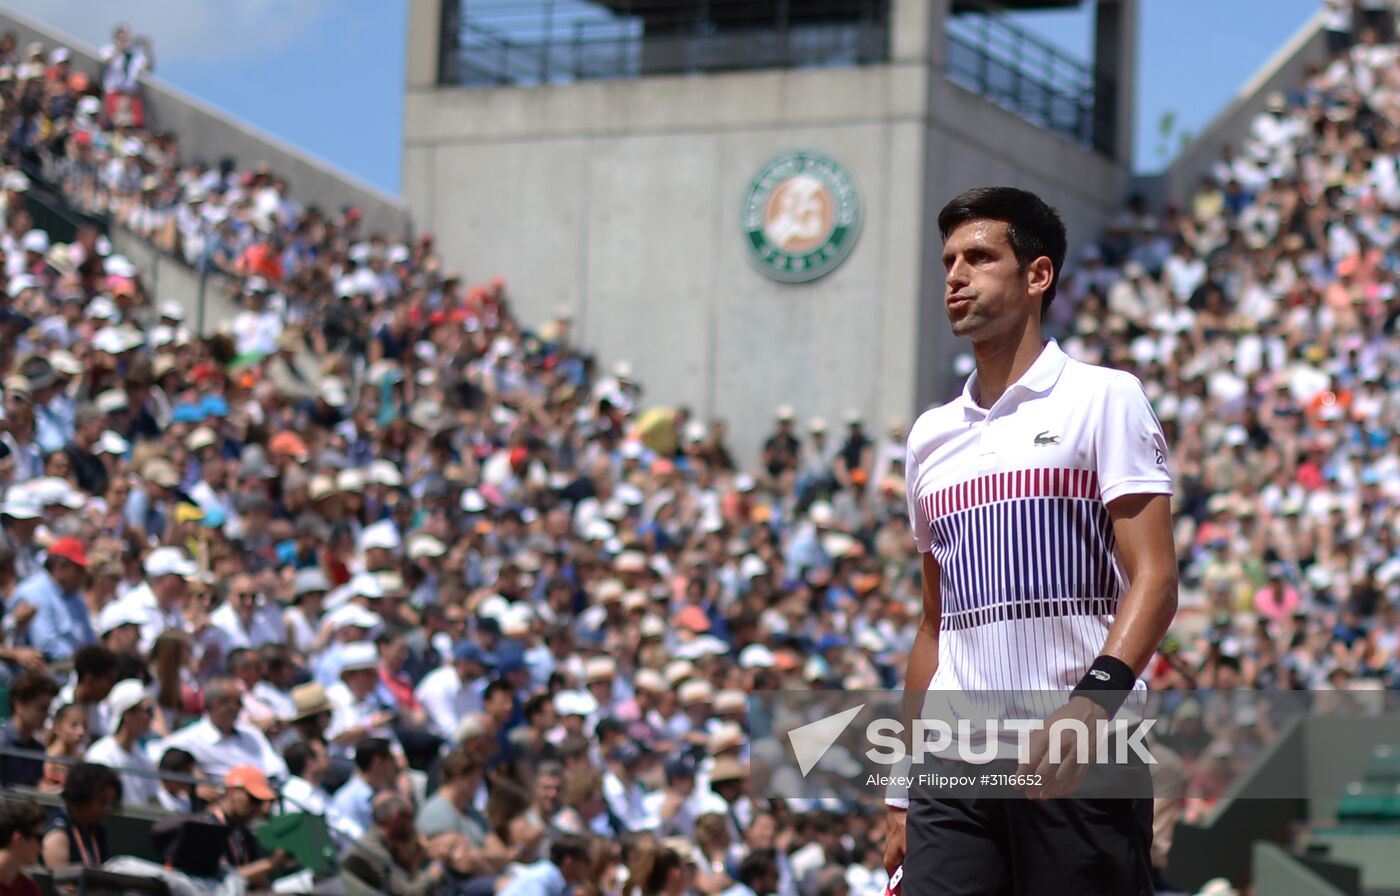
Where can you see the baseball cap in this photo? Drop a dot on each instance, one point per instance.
(423, 545)
(202, 438)
(21, 505)
(359, 655)
(162, 473)
(352, 616)
(693, 618)
(287, 442)
(118, 613)
(383, 534)
(251, 780)
(70, 549)
(575, 703)
(308, 580)
(469, 652)
(123, 696)
(168, 561)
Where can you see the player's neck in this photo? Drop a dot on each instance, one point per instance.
(1001, 363)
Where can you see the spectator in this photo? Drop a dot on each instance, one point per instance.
(130, 710)
(95, 670)
(247, 619)
(219, 741)
(176, 694)
(21, 831)
(392, 859)
(450, 693)
(567, 866)
(161, 598)
(124, 61)
(69, 741)
(61, 623)
(758, 876)
(75, 834)
(175, 795)
(31, 695)
(375, 771)
(247, 797)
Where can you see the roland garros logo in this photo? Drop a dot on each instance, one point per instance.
(801, 217)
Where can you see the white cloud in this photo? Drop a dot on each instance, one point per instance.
(185, 31)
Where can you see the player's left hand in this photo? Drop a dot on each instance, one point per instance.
(1062, 778)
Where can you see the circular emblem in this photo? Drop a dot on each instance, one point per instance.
(801, 216)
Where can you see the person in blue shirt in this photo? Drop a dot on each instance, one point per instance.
(375, 771)
(61, 622)
(566, 868)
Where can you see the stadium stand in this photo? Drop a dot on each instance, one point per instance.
(377, 544)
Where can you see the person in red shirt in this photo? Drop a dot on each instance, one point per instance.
(393, 653)
(21, 829)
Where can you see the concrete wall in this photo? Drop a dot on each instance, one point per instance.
(170, 280)
(1283, 72)
(618, 202)
(1279, 873)
(210, 134)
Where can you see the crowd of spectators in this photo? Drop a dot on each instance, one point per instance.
(379, 551)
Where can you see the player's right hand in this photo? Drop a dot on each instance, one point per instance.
(894, 839)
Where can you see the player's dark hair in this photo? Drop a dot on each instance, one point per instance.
(1032, 227)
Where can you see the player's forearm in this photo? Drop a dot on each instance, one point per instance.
(1145, 613)
(923, 662)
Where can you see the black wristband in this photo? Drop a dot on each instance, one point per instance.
(1107, 683)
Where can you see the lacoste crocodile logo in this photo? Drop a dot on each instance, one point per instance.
(1046, 439)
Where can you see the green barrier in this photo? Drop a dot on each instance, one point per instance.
(305, 836)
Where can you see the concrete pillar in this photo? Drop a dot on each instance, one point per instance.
(911, 31)
(1115, 61)
(424, 55)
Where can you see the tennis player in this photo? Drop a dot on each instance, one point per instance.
(1040, 502)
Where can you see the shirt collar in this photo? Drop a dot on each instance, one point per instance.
(1038, 378)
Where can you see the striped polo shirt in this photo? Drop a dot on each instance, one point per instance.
(1012, 502)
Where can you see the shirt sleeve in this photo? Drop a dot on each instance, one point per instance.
(46, 631)
(918, 518)
(1130, 450)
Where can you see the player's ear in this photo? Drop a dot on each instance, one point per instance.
(1040, 273)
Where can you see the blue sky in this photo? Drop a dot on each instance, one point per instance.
(327, 75)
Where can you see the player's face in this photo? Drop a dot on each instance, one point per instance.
(986, 292)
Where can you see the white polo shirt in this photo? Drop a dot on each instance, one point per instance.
(1011, 500)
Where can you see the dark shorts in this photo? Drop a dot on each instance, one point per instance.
(996, 842)
(1019, 847)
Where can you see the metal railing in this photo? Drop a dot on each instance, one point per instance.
(37, 756)
(532, 42)
(1023, 73)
